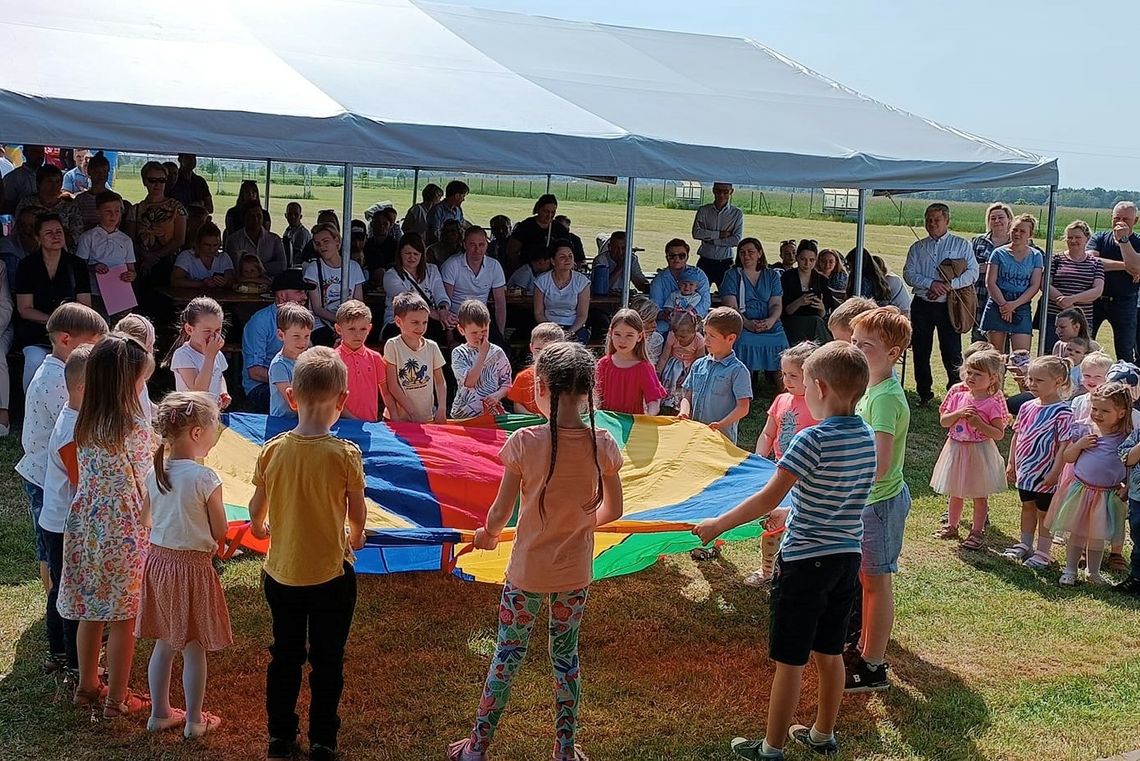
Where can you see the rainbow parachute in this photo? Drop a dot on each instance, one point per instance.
(428, 487)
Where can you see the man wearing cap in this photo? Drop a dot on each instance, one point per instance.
(259, 342)
(719, 226)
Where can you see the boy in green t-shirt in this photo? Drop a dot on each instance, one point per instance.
(882, 334)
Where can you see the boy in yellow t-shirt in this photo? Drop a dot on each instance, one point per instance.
(308, 483)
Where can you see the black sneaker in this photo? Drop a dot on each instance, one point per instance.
(281, 749)
(754, 750)
(322, 753)
(1130, 587)
(861, 677)
(851, 656)
(802, 735)
(925, 399)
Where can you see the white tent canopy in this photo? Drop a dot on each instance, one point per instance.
(411, 84)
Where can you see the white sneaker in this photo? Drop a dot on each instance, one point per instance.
(1068, 579)
(176, 717)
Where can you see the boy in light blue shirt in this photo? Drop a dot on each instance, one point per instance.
(718, 389)
(294, 328)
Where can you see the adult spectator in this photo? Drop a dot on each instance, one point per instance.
(359, 232)
(416, 220)
(411, 272)
(49, 198)
(612, 255)
(668, 282)
(500, 225)
(929, 312)
(259, 341)
(325, 272)
(21, 181)
(394, 231)
(98, 172)
(248, 192)
(754, 290)
(21, 241)
(7, 309)
(309, 252)
(523, 278)
(788, 250)
(158, 226)
(75, 180)
(171, 174)
(1013, 278)
(380, 249)
(449, 244)
(873, 284)
(188, 187)
(1119, 252)
(807, 299)
(575, 241)
(205, 265)
(253, 238)
(451, 208)
(535, 233)
(897, 295)
(719, 226)
(472, 275)
(45, 279)
(295, 236)
(1077, 280)
(999, 218)
(830, 265)
(562, 295)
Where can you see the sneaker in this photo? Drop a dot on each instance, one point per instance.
(863, 678)
(54, 663)
(754, 749)
(209, 723)
(320, 752)
(925, 399)
(1130, 587)
(851, 656)
(281, 748)
(802, 735)
(1117, 563)
(1068, 579)
(157, 724)
(758, 579)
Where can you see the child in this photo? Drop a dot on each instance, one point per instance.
(308, 578)
(294, 327)
(882, 334)
(839, 323)
(60, 480)
(251, 271)
(718, 389)
(829, 470)
(188, 519)
(105, 533)
(196, 357)
(686, 298)
(1094, 371)
(482, 369)
(654, 341)
(522, 389)
(1075, 351)
(414, 365)
(1130, 454)
(365, 367)
(970, 466)
(142, 330)
(626, 381)
(105, 246)
(1071, 323)
(683, 346)
(1034, 455)
(549, 470)
(69, 326)
(1086, 506)
(1128, 374)
(788, 415)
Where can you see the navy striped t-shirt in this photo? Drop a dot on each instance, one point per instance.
(834, 463)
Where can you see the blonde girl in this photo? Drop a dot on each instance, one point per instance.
(196, 357)
(105, 535)
(1034, 455)
(683, 346)
(142, 330)
(970, 466)
(548, 471)
(654, 341)
(1086, 508)
(188, 519)
(626, 381)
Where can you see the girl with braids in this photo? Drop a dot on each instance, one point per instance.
(552, 557)
(188, 520)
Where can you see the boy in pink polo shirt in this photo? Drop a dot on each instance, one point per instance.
(365, 366)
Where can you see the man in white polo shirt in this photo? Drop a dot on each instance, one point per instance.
(474, 275)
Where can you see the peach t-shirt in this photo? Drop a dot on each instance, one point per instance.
(522, 391)
(556, 554)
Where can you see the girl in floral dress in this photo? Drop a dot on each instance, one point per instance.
(105, 534)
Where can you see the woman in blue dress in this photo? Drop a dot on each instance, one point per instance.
(754, 290)
(1013, 278)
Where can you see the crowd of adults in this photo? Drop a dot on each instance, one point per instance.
(531, 272)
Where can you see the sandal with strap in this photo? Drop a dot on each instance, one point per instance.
(1019, 551)
(458, 751)
(948, 532)
(128, 706)
(1039, 561)
(974, 541)
(701, 554)
(89, 697)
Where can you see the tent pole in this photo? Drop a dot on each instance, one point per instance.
(630, 203)
(1050, 228)
(415, 187)
(346, 234)
(548, 183)
(268, 171)
(860, 231)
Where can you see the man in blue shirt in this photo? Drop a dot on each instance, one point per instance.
(1119, 250)
(259, 342)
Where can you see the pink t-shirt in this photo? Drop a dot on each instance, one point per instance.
(992, 409)
(792, 415)
(554, 551)
(627, 389)
(365, 376)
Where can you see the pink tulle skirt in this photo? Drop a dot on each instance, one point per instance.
(969, 470)
(1086, 511)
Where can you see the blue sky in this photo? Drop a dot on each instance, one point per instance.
(1036, 75)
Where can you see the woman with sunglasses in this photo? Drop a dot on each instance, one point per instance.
(158, 226)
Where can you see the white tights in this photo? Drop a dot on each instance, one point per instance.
(1094, 554)
(193, 679)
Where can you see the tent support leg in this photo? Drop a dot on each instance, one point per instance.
(415, 187)
(548, 183)
(860, 237)
(630, 205)
(346, 234)
(268, 171)
(1043, 342)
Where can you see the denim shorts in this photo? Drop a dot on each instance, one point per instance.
(36, 501)
(883, 524)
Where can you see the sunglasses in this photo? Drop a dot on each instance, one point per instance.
(676, 256)
(155, 180)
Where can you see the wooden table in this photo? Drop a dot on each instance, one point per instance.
(224, 296)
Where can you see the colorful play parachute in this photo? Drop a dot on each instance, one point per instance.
(428, 487)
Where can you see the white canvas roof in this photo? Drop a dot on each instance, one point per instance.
(411, 84)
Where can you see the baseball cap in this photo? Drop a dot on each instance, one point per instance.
(291, 280)
(359, 228)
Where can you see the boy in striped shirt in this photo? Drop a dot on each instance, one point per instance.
(829, 469)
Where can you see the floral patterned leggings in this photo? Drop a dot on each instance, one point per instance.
(518, 611)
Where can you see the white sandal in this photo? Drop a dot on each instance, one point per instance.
(1068, 579)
